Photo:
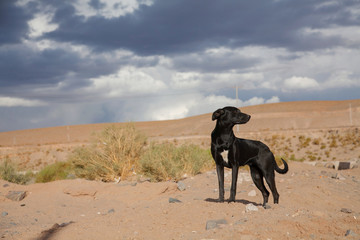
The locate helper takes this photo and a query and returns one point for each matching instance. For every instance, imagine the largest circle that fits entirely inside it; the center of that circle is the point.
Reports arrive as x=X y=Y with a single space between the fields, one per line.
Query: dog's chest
x=224 y=155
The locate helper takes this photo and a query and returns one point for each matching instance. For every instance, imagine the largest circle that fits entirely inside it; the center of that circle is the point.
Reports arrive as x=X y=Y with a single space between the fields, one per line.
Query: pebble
x=211 y=224
x=4 y=214
x=111 y=210
x=174 y=200
x=252 y=193
x=16 y=195
x=350 y=232
x=181 y=186
x=346 y=210
x=251 y=208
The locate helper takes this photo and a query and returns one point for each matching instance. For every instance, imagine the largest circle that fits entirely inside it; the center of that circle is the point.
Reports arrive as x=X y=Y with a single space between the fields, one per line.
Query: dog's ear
x=217 y=114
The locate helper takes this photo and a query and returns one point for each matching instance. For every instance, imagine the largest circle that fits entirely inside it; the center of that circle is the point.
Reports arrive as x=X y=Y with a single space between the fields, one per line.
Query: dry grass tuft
x=115 y=153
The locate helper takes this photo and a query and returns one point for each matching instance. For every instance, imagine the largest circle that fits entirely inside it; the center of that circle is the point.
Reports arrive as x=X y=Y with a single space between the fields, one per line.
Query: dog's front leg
x=220 y=174
x=234 y=178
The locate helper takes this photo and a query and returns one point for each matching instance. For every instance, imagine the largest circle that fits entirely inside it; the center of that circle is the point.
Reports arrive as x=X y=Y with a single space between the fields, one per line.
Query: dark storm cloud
x=13 y=22
x=23 y=66
x=182 y=26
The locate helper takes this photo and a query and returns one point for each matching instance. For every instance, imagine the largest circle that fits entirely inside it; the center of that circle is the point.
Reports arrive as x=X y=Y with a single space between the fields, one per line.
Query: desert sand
x=316 y=202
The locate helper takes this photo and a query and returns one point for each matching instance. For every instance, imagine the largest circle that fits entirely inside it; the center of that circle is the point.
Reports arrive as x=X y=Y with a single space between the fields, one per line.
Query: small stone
x=346 y=210
x=4 y=214
x=350 y=232
x=111 y=210
x=252 y=193
x=211 y=224
x=16 y=195
x=181 y=186
x=251 y=208
x=6 y=185
x=174 y=200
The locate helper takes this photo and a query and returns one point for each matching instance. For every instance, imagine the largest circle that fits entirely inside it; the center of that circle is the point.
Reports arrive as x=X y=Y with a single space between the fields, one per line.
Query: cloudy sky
x=65 y=62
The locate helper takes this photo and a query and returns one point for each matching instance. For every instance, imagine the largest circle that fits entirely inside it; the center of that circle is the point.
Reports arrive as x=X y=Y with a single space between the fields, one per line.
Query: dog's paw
x=230 y=200
x=266 y=206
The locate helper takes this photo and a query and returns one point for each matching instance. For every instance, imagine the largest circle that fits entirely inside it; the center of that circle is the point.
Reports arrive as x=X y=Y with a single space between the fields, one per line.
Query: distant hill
x=267 y=117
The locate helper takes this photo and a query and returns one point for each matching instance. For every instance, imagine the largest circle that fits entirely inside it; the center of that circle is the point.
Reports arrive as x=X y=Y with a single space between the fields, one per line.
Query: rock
x=174 y=200
x=3 y=214
x=211 y=224
x=346 y=210
x=16 y=195
x=6 y=185
x=350 y=233
x=251 y=208
x=181 y=186
x=111 y=210
x=252 y=193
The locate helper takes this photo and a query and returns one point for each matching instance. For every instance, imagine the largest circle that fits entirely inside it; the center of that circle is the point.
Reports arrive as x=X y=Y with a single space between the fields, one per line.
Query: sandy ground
x=315 y=202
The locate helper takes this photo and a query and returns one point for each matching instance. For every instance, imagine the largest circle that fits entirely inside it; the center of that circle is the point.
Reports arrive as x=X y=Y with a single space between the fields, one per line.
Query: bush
x=115 y=153
x=8 y=172
x=53 y=172
x=165 y=161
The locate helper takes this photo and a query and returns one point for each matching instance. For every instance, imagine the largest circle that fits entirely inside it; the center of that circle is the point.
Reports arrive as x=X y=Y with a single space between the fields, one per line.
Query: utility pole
x=237 y=104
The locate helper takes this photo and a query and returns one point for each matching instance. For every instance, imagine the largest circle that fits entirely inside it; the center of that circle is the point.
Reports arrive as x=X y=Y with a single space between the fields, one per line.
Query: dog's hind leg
x=220 y=174
x=270 y=179
x=257 y=177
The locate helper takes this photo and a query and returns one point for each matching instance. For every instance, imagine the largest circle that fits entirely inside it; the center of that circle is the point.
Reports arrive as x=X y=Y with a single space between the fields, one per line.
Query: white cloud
x=19 y=102
x=127 y=81
x=110 y=8
x=41 y=24
x=296 y=83
x=274 y=99
x=342 y=79
x=195 y=104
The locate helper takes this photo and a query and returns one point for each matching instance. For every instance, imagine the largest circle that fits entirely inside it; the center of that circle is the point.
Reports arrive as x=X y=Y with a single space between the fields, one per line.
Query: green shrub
x=53 y=172
x=165 y=161
x=115 y=153
x=8 y=172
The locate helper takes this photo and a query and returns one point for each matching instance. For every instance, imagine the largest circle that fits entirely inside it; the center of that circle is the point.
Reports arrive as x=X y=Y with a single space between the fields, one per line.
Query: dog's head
x=230 y=116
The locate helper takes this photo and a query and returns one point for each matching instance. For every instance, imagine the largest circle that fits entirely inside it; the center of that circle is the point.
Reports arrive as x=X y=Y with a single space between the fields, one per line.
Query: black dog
x=242 y=152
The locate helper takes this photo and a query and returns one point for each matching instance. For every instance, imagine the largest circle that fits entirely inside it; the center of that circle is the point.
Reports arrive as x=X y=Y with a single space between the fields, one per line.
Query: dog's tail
x=284 y=170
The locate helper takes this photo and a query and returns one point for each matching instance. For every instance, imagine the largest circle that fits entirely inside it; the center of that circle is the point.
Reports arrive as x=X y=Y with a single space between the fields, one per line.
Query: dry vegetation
x=319 y=145
x=119 y=153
